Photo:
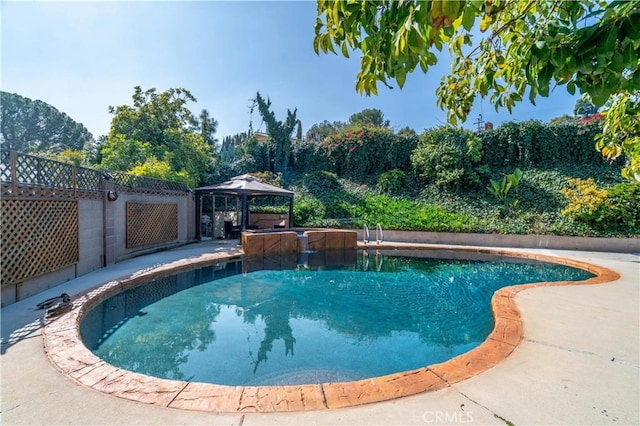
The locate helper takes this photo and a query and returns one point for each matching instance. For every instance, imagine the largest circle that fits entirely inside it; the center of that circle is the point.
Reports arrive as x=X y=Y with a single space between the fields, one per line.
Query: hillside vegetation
x=442 y=181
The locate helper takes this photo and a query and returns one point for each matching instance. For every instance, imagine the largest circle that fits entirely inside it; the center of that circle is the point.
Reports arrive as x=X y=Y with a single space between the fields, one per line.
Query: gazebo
x=242 y=188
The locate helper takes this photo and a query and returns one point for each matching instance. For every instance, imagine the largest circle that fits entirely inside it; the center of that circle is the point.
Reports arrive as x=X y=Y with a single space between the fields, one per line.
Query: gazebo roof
x=247 y=185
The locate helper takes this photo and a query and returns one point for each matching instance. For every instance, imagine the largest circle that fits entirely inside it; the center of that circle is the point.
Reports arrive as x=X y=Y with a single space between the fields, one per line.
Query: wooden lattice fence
x=25 y=175
x=46 y=203
x=38 y=236
x=151 y=223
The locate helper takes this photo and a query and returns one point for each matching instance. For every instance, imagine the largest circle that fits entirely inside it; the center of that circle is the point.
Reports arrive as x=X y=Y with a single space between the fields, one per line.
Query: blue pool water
x=361 y=316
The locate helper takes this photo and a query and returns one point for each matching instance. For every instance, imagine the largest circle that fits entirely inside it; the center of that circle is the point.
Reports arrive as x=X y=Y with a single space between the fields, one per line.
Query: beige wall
x=102 y=240
x=91 y=235
x=619 y=245
x=118 y=207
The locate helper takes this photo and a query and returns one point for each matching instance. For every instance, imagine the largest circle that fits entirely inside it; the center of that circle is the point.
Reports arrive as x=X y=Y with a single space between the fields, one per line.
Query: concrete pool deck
x=578 y=363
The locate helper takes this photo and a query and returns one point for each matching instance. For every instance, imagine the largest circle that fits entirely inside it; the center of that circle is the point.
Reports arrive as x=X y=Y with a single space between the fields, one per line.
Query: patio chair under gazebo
x=243 y=188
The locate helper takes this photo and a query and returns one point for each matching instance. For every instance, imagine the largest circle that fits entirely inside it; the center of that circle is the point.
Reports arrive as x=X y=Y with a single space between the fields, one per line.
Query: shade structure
x=247 y=185
x=244 y=187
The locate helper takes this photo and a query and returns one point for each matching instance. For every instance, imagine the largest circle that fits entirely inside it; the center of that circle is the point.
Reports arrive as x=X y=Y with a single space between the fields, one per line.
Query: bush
x=616 y=209
x=533 y=144
x=360 y=153
x=393 y=181
x=585 y=200
x=400 y=213
x=307 y=210
x=321 y=181
x=449 y=158
x=622 y=212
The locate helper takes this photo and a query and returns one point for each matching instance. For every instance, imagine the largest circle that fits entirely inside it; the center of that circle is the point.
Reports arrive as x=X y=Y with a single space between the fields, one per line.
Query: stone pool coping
x=68 y=354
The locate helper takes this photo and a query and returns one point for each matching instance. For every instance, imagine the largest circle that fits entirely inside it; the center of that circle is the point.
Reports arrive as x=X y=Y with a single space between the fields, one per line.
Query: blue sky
x=82 y=57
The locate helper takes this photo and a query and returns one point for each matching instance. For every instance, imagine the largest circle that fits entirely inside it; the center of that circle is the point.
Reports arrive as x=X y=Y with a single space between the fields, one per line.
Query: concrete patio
x=579 y=363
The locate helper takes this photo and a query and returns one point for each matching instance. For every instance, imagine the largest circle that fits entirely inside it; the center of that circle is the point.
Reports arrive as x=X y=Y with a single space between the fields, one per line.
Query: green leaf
x=468 y=18
x=345 y=51
x=610 y=43
x=401 y=76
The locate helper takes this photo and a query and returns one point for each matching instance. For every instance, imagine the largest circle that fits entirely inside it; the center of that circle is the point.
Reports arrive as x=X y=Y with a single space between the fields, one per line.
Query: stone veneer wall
x=261 y=243
x=267 y=243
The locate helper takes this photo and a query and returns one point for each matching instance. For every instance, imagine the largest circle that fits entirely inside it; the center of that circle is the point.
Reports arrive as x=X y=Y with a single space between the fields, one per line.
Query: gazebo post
x=198 y=215
x=213 y=216
x=245 y=212
x=238 y=220
x=290 y=212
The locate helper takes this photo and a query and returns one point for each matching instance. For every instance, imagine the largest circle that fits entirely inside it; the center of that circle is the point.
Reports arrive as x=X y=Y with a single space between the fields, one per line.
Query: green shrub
x=622 y=212
x=307 y=210
x=585 y=200
x=533 y=144
x=400 y=213
x=448 y=158
x=501 y=189
x=393 y=181
x=321 y=180
x=616 y=209
x=361 y=153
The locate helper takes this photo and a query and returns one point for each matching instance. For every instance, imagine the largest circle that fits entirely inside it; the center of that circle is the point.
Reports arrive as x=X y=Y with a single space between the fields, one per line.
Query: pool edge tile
x=382 y=388
x=65 y=350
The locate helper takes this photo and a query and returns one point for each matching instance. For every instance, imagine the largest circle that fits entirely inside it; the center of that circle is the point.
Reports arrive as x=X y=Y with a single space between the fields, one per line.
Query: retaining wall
x=615 y=245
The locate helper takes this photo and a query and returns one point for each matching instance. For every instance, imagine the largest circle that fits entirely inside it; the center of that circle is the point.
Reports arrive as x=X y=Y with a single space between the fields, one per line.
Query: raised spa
x=331 y=316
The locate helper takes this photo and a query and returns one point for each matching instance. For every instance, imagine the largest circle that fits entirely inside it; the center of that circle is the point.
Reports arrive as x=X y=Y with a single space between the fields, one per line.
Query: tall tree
x=298 y=130
x=280 y=133
x=208 y=127
x=158 y=125
x=587 y=46
x=319 y=131
x=36 y=127
x=369 y=117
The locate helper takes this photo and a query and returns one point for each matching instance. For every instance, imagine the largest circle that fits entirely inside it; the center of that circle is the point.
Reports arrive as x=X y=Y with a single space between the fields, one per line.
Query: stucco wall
x=91 y=233
x=616 y=245
x=118 y=208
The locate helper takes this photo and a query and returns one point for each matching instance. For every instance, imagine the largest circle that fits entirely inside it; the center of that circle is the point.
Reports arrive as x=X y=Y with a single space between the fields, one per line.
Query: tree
x=208 y=127
x=280 y=133
x=587 y=46
x=299 y=130
x=564 y=118
x=229 y=148
x=35 y=127
x=584 y=108
x=319 y=131
x=156 y=169
x=160 y=126
x=369 y=117
x=407 y=131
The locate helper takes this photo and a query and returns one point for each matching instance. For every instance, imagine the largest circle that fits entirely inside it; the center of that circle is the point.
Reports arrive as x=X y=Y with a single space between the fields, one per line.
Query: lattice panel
x=38 y=236
x=134 y=181
x=151 y=223
x=41 y=171
x=5 y=166
x=87 y=179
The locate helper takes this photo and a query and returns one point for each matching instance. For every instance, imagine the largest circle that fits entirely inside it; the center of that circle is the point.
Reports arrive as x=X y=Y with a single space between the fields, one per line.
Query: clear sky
x=82 y=57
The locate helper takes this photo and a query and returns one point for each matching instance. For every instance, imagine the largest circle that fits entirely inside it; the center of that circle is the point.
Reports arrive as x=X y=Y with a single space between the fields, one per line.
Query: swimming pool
x=335 y=316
